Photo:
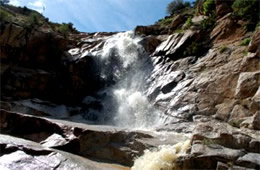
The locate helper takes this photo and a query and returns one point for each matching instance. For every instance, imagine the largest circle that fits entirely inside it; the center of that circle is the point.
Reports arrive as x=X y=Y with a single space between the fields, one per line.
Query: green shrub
x=176 y=5
x=188 y=23
x=193 y=49
x=245 y=42
x=208 y=23
x=222 y=49
x=245 y=52
x=64 y=29
x=178 y=31
x=247 y=9
x=34 y=19
x=166 y=21
x=209 y=7
x=4 y=16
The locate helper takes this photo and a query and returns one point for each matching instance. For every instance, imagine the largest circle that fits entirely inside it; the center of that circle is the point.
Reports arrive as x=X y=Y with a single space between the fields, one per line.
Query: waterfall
x=124 y=62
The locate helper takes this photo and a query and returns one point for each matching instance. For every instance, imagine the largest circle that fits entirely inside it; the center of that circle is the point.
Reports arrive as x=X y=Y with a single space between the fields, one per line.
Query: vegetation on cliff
x=32 y=20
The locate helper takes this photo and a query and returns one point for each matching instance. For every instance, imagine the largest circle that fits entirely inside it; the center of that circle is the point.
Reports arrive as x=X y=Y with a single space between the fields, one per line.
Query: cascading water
x=124 y=63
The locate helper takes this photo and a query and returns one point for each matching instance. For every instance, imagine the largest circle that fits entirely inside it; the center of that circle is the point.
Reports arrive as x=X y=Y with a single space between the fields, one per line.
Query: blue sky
x=100 y=15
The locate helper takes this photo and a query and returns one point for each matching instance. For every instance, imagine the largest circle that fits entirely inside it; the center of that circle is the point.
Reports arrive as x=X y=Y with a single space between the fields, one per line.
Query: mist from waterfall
x=124 y=62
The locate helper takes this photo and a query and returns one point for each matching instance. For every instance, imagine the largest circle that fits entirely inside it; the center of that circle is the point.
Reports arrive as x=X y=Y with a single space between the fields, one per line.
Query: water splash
x=162 y=158
x=125 y=64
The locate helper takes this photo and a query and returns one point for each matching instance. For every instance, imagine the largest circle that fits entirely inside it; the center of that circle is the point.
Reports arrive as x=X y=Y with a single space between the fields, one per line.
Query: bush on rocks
x=209 y=7
x=176 y=6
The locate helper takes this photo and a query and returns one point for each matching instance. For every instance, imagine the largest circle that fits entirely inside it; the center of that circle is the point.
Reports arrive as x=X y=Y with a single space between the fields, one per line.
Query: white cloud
x=14 y=3
x=37 y=5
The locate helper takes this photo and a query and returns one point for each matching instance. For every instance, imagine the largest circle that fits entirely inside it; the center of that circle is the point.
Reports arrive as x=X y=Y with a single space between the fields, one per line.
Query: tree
x=4 y=1
x=176 y=6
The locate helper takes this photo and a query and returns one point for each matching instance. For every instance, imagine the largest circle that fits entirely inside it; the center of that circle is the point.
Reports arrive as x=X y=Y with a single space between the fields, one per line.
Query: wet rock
x=150 y=43
x=176 y=43
x=227 y=166
x=99 y=142
x=28 y=127
x=22 y=154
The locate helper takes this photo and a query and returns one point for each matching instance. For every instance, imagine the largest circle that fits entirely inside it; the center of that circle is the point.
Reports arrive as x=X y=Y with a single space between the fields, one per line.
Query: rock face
x=211 y=94
x=227 y=29
x=254 y=44
x=42 y=69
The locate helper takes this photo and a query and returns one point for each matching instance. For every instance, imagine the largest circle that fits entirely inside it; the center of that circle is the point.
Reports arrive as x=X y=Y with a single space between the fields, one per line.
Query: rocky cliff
x=203 y=81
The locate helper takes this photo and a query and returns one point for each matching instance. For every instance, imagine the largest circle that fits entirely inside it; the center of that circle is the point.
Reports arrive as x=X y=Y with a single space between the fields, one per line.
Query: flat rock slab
x=18 y=153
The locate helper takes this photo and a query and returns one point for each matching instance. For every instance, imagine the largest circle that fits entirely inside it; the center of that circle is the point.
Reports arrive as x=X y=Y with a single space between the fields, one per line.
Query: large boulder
x=223 y=7
x=214 y=144
x=247 y=85
x=227 y=28
x=177 y=21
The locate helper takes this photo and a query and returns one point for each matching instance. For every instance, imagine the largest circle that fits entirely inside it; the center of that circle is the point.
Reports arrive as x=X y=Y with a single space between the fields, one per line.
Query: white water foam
x=124 y=61
x=163 y=158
